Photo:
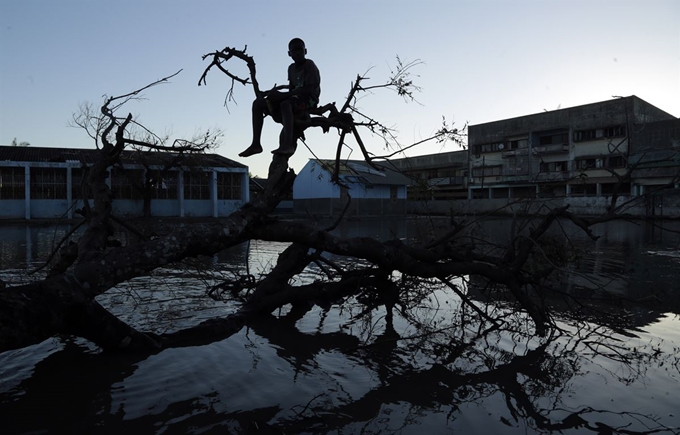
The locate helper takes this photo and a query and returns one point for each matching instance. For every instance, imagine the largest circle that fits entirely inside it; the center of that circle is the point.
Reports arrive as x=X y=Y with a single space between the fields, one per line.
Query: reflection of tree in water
x=420 y=364
x=439 y=369
x=431 y=354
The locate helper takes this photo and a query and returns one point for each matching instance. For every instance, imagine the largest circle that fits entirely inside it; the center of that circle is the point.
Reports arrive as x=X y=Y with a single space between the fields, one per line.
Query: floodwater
x=431 y=370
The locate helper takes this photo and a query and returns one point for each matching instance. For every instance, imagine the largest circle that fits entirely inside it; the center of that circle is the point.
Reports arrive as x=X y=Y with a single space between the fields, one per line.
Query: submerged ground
x=426 y=371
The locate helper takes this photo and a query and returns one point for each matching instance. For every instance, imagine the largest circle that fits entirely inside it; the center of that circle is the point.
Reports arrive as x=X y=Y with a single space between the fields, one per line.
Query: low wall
x=358 y=207
x=660 y=205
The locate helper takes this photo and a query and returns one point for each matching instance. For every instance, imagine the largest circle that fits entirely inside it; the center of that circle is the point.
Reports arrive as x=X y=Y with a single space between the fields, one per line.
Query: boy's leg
x=287 y=142
x=259 y=111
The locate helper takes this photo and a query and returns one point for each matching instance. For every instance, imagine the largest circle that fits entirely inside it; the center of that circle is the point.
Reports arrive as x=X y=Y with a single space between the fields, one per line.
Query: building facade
x=442 y=176
x=372 y=192
x=575 y=156
x=47 y=183
x=577 y=151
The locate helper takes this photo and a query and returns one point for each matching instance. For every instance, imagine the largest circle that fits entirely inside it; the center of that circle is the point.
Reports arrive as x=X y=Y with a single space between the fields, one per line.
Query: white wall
x=314 y=182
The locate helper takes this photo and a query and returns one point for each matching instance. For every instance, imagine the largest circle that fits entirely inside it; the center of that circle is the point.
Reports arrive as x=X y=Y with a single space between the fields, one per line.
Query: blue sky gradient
x=482 y=61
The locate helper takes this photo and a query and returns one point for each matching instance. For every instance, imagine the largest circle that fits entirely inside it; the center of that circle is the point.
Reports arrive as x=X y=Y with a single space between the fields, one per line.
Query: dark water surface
x=330 y=372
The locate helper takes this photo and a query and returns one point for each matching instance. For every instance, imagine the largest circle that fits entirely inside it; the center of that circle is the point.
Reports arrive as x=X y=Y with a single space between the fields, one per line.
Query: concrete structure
x=442 y=176
x=45 y=183
x=576 y=151
x=572 y=156
x=373 y=192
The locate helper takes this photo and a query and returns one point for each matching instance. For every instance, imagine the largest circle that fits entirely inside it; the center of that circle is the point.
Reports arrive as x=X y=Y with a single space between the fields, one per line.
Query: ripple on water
x=233 y=375
x=18 y=365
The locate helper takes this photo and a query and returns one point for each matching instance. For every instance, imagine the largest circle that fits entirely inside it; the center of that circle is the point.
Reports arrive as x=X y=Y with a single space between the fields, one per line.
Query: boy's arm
x=277 y=88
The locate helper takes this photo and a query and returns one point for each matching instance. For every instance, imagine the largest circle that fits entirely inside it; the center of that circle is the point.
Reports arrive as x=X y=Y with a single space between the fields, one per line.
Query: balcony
x=553 y=176
x=446 y=181
x=517 y=152
x=439 y=181
x=551 y=149
x=515 y=178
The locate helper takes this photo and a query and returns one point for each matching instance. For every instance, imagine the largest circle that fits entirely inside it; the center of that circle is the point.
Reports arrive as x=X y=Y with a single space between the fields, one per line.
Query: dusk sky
x=482 y=61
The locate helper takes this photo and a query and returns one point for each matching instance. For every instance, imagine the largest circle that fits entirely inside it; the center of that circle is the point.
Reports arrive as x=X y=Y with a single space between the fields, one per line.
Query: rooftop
x=89 y=156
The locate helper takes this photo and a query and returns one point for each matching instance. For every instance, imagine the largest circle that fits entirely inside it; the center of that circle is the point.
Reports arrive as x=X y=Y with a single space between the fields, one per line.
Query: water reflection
x=275 y=378
x=328 y=371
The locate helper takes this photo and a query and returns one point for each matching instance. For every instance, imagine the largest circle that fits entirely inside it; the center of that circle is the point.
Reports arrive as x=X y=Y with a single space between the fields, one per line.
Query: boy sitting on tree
x=304 y=88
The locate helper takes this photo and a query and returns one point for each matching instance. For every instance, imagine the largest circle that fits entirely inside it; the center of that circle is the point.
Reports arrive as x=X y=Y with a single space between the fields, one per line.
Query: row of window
x=50 y=183
x=518 y=144
x=487 y=171
x=600 y=133
x=553 y=139
x=521 y=166
x=440 y=173
x=611 y=162
x=562 y=166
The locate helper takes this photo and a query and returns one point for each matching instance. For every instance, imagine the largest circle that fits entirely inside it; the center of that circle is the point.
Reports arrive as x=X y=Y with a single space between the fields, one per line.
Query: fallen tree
x=64 y=302
x=387 y=279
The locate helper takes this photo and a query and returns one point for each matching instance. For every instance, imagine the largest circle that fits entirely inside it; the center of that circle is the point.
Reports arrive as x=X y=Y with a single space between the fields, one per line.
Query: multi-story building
x=577 y=151
x=578 y=156
x=442 y=176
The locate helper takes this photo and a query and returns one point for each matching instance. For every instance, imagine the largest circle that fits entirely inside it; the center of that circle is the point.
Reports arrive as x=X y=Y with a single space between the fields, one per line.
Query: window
x=77 y=184
x=197 y=185
x=616 y=162
x=585 y=163
x=554 y=166
x=518 y=144
x=487 y=171
x=584 y=135
x=126 y=183
x=601 y=162
x=165 y=187
x=12 y=183
x=517 y=166
x=583 y=190
x=48 y=183
x=599 y=133
x=617 y=131
x=489 y=148
x=554 y=139
x=229 y=185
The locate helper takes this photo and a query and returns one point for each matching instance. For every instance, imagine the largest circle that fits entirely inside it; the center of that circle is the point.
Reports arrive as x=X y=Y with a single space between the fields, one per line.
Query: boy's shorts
x=298 y=107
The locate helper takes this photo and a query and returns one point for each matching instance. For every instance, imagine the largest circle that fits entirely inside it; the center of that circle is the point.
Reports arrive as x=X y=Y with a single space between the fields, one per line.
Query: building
x=574 y=156
x=577 y=151
x=373 y=192
x=46 y=183
x=442 y=176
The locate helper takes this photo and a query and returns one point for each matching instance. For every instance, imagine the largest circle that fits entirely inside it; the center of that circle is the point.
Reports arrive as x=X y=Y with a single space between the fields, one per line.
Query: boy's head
x=296 y=49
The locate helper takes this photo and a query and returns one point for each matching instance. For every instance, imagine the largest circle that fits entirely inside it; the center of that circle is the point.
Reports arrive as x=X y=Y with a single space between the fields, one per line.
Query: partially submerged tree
x=157 y=154
x=95 y=264
x=391 y=276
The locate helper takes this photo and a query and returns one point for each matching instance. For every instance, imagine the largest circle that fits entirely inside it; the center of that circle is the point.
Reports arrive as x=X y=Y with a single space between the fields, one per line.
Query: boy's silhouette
x=304 y=88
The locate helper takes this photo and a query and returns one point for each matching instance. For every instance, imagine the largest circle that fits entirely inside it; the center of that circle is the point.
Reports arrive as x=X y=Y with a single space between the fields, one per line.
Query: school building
x=47 y=183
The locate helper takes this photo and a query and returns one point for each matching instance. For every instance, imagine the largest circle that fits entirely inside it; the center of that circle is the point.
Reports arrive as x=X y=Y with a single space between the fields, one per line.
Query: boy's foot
x=284 y=151
x=253 y=149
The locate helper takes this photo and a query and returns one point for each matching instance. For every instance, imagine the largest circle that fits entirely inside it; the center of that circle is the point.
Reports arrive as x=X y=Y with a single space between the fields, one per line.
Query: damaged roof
x=360 y=171
x=89 y=156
